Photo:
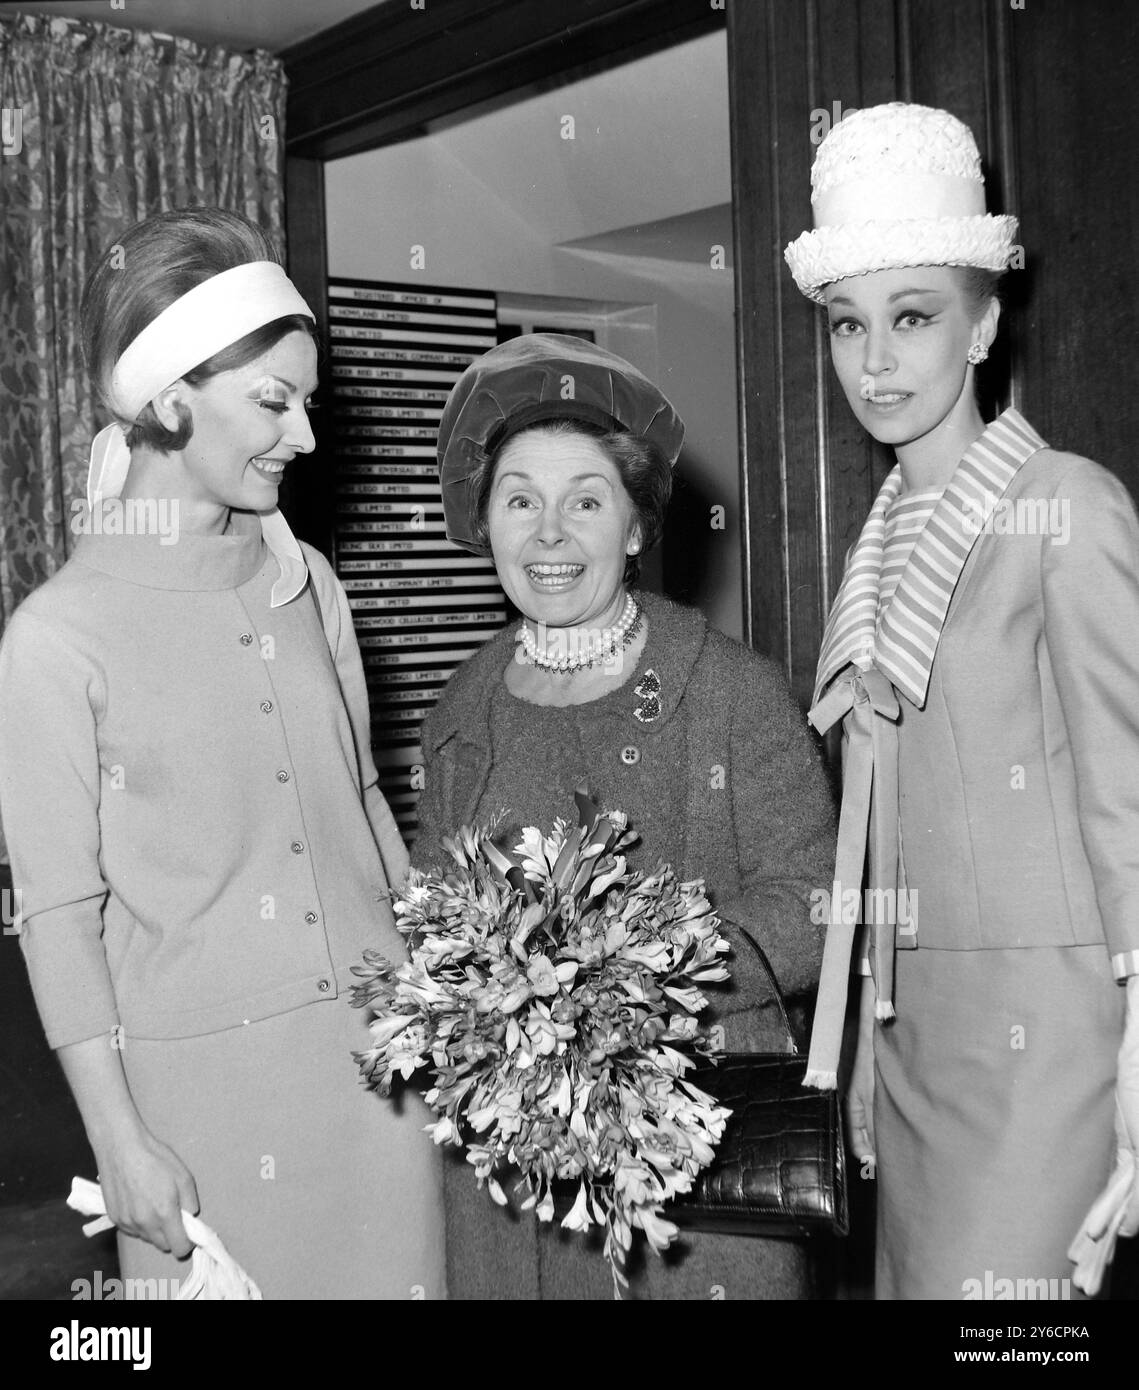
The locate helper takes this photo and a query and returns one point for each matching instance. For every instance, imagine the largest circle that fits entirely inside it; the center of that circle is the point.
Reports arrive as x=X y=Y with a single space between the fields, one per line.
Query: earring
x=977 y=354
x=635 y=548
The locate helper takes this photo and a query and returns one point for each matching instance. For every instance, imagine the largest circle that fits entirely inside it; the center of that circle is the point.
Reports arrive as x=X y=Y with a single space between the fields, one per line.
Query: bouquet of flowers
x=553 y=995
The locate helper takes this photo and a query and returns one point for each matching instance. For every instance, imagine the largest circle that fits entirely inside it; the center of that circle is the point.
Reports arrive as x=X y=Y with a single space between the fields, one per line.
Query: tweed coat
x=731 y=749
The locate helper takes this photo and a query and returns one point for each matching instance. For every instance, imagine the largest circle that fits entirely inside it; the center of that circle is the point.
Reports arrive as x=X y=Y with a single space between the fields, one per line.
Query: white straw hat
x=892 y=186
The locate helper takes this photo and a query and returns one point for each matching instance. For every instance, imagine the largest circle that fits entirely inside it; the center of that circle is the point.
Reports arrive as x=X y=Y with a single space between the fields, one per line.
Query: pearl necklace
x=601 y=648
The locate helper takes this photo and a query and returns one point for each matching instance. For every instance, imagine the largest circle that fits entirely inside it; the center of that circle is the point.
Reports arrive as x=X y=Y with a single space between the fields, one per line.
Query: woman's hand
x=146 y=1187
x=145 y=1184
x=860 y=1092
x=1115 y=1211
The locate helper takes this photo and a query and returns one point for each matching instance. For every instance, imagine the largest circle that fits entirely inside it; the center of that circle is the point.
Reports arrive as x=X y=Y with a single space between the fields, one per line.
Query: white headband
x=211 y=316
x=206 y=319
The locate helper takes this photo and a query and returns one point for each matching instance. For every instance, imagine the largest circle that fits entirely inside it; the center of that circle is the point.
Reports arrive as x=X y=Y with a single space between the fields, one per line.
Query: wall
x=493 y=198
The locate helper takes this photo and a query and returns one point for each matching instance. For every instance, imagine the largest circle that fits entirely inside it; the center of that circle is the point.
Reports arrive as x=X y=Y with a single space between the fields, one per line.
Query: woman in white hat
x=980 y=654
x=191 y=804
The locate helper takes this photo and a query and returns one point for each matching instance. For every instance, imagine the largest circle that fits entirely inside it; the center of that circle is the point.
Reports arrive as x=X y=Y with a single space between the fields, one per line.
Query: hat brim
x=540 y=411
x=818 y=258
x=523 y=382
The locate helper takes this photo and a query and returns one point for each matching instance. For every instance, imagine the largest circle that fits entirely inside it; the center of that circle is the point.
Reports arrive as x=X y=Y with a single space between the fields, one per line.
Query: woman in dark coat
x=556 y=458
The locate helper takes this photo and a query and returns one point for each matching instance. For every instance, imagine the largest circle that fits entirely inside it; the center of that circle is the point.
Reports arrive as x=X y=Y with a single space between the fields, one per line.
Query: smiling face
x=248 y=424
x=561 y=525
x=899 y=340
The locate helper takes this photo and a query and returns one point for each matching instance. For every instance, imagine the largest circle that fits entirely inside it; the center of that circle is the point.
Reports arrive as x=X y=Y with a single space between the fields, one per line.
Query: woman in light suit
x=980 y=653
x=192 y=807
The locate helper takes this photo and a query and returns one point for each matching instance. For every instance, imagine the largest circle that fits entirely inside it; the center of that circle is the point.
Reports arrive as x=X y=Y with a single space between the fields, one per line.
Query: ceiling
x=647 y=172
x=645 y=177
x=236 y=24
x=687 y=237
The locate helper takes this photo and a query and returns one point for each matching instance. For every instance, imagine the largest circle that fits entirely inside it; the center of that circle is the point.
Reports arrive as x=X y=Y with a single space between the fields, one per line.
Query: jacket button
x=630 y=755
x=310 y=918
x=246 y=639
x=282 y=776
x=297 y=847
x=323 y=986
x=266 y=706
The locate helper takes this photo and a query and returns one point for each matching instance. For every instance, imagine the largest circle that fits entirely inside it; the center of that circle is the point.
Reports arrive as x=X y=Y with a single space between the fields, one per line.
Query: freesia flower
x=443 y=1131
x=689 y=998
x=660 y=1233
x=555 y=1017
x=563 y=1100
x=540 y=973
x=599 y=885
x=577 y=1218
x=384 y=1029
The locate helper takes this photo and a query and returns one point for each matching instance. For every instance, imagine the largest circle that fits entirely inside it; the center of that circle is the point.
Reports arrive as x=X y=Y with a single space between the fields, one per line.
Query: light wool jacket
x=187 y=789
x=1009 y=643
x=1019 y=779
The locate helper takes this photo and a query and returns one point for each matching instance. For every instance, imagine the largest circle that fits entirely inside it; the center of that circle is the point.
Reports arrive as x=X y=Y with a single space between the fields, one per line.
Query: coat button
x=266 y=706
x=297 y=847
x=630 y=755
x=246 y=639
x=282 y=776
x=310 y=918
x=323 y=986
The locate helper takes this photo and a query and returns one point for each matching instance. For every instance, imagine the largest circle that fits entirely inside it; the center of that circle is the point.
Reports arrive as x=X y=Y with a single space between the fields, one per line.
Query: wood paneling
x=1076 y=132
x=1048 y=90
x=756 y=214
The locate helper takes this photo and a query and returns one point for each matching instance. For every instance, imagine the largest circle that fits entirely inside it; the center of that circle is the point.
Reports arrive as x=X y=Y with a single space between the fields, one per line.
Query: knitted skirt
x=318 y=1188
x=993 y=1111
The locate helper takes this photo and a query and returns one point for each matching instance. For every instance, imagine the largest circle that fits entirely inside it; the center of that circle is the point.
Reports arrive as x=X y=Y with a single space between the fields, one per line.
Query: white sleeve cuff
x=1125 y=964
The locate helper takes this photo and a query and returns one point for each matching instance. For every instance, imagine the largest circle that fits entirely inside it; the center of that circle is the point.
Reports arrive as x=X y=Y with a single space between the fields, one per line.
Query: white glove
x=1115 y=1211
x=214 y=1273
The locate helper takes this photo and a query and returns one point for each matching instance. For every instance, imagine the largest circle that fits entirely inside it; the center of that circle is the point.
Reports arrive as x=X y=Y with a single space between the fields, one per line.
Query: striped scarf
x=904 y=644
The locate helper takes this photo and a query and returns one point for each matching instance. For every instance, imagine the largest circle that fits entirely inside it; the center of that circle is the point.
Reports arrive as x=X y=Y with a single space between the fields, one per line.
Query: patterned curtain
x=100 y=128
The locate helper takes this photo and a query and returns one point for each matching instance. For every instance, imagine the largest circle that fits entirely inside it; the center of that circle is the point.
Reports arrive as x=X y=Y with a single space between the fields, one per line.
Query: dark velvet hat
x=540 y=376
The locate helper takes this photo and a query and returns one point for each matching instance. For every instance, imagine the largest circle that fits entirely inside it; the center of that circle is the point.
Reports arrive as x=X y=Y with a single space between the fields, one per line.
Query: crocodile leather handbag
x=780 y=1167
